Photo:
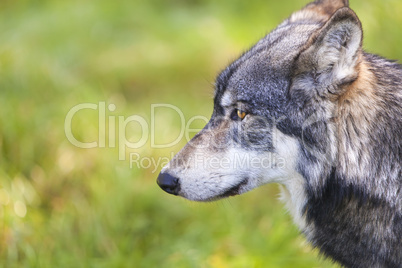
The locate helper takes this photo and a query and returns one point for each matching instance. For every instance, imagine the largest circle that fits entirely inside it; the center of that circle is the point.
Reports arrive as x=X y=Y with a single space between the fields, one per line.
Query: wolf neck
x=353 y=112
x=356 y=112
x=364 y=143
x=347 y=200
x=368 y=122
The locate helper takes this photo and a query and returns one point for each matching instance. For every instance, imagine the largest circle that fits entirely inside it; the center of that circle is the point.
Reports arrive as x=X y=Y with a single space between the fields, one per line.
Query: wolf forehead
x=264 y=70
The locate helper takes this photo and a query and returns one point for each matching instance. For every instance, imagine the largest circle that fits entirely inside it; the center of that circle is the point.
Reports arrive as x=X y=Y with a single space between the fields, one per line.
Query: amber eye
x=241 y=114
x=238 y=115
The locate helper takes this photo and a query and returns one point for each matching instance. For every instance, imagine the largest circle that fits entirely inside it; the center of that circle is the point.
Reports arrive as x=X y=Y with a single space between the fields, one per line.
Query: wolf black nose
x=168 y=183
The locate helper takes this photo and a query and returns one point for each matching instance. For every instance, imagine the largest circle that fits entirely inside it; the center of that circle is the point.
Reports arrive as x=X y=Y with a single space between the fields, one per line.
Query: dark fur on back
x=350 y=223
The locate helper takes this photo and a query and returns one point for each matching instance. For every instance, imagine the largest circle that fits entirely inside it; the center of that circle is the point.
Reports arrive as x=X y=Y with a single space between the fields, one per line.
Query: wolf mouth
x=233 y=190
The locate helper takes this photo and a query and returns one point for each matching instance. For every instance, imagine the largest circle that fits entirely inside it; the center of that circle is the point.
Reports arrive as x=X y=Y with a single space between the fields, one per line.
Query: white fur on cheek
x=207 y=174
x=293 y=190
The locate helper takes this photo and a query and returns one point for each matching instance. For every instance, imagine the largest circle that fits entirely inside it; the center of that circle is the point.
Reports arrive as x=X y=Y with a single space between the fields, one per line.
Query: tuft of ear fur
x=319 y=11
x=331 y=56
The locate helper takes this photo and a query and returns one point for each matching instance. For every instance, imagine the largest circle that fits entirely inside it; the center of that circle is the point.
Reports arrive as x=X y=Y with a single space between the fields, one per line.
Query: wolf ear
x=331 y=56
x=320 y=10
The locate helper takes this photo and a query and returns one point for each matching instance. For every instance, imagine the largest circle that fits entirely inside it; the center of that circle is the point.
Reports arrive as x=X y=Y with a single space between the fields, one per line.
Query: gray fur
x=333 y=112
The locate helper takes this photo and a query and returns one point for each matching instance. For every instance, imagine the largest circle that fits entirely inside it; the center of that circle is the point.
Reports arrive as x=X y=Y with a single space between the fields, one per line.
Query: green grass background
x=63 y=206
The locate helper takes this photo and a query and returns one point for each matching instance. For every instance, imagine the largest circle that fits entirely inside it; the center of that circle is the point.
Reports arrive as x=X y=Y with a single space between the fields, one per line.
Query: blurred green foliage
x=62 y=206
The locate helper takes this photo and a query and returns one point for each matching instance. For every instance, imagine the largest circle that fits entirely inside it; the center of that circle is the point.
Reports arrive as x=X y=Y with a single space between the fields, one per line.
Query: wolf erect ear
x=319 y=10
x=331 y=56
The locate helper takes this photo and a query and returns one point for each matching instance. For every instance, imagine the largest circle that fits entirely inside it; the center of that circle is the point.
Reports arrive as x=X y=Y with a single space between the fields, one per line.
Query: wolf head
x=272 y=105
x=306 y=107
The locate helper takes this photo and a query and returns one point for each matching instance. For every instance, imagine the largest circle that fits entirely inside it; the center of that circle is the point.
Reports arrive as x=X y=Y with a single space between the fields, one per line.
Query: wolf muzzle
x=168 y=183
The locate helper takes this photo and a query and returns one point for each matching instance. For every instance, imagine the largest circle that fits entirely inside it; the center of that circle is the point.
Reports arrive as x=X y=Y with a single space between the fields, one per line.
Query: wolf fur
x=324 y=119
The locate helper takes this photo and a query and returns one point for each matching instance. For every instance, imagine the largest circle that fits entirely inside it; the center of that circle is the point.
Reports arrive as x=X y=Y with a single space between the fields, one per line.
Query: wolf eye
x=238 y=114
x=241 y=114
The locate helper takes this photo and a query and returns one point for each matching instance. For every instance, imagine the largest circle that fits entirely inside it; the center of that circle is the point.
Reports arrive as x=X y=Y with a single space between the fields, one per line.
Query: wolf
x=308 y=108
